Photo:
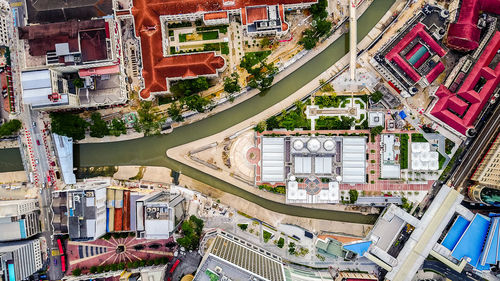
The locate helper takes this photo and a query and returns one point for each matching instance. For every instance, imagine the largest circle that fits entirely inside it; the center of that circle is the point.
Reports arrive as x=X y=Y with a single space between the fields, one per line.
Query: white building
x=422 y=158
x=19 y=219
x=389 y=164
x=20 y=259
x=64 y=151
x=158 y=215
x=46 y=89
x=354 y=160
x=5 y=15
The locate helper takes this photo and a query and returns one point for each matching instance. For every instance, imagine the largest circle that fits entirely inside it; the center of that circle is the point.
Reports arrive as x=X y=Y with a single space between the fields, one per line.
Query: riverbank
x=161 y=175
x=181 y=153
x=322 y=45
x=13 y=177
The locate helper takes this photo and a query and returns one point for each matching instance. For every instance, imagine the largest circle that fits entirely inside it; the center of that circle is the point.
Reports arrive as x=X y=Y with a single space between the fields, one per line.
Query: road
x=449 y=273
x=475 y=151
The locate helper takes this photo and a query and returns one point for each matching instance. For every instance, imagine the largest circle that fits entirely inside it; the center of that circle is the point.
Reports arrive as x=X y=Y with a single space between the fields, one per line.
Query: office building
x=488 y=171
x=19 y=219
x=19 y=260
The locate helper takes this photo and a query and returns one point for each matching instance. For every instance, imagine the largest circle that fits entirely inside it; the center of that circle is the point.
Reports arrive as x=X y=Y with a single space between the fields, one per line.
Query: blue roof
x=471 y=243
x=402 y=114
x=491 y=249
x=455 y=232
x=421 y=51
x=359 y=248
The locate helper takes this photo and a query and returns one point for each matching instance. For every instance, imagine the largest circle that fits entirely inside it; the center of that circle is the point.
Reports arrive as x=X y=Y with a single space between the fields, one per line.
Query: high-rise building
x=19 y=219
x=4 y=17
x=488 y=171
x=20 y=259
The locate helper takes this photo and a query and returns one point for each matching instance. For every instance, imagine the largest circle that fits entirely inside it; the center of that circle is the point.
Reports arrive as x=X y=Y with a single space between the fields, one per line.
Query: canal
x=150 y=151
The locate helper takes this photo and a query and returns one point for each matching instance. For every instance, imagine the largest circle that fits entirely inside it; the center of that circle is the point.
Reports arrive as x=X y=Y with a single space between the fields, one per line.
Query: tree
x=353 y=195
x=189 y=86
x=327 y=87
x=231 y=84
x=261 y=126
x=265 y=42
x=243 y=226
x=175 y=112
x=376 y=97
x=78 y=82
x=10 y=127
x=93 y=269
x=281 y=242
x=98 y=128
x=149 y=120
x=195 y=102
x=117 y=127
x=291 y=248
x=191 y=230
x=76 y=272
x=323 y=27
x=67 y=124
x=308 y=40
x=376 y=130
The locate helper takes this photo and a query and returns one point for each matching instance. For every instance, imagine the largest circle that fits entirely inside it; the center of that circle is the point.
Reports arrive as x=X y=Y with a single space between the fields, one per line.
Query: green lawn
x=418 y=138
x=182 y=37
x=210 y=35
x=403 y=160
x=361 y=105
x=334 y=123
x=224 y=48
x=448 y=146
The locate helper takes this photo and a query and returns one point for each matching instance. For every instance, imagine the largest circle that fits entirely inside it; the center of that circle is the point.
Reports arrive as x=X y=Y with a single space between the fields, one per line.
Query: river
x=150 y=151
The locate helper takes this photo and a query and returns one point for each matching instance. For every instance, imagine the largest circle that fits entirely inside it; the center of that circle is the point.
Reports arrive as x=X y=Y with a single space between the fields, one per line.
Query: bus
x=63 y=263
x=176 y=263
x=59 y=245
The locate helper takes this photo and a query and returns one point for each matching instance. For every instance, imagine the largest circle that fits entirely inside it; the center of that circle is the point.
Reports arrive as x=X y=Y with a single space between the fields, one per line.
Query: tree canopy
x=231 y=84
x=353 y=195
x=149 y=120
x=376 y=97
x=195 y=102
x=98 y=128
x=10 y=127
x=67 y=124
x=191 y=230
x=189 y=86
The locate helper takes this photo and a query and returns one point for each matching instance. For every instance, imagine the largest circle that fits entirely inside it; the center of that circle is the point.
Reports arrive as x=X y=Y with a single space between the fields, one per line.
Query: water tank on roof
x=413 y=90
x=427 y=9
x=379 y=58
x=313 y=145
x=329 y=145
x=444 y=14
x=298 y=145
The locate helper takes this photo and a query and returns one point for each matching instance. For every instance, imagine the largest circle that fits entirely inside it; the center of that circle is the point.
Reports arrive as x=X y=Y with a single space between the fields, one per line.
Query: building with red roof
x=413 y=58
x=459 y=110
x=464 y=33
x=260 y=17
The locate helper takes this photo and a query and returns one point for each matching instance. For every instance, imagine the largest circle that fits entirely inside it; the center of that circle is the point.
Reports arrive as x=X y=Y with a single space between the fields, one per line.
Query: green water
x=150 y=151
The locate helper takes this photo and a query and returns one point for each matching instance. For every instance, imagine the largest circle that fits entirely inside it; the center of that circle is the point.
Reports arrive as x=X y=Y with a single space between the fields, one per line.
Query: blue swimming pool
x=471 y=243
x=456 y=231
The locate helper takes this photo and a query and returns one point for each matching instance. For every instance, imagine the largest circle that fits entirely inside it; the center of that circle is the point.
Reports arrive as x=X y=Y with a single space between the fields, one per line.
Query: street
x=449 y=273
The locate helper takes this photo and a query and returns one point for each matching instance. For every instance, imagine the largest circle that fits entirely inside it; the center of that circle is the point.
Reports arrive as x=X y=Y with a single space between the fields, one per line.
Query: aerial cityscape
x=250 y=140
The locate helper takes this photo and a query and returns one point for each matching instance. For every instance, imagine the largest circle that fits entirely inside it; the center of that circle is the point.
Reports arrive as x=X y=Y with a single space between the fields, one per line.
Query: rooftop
x=38 y=91
x=156 y=68
x=85 y=37
x=460 y=110
x=64 y=152
x=464 y=34
x=45 y=11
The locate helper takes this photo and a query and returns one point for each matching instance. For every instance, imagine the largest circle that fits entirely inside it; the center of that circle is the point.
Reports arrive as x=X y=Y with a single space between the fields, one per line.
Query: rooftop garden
x=418 y=138
x=403 y=160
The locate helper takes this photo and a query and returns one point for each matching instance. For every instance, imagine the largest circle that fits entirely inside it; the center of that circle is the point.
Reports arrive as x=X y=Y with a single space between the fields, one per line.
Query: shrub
x=76 y=272
x=266 y=236
x=281 y=242
x=353 y=194
x=243 y=226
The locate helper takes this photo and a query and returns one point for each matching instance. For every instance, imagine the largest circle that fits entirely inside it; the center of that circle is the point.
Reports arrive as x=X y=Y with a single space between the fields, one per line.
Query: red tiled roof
x=464 y=33
x=214 y=16
x=434 y=73
x=256 y=13
x=147 y=23
x=394 y=54
x=449 y=101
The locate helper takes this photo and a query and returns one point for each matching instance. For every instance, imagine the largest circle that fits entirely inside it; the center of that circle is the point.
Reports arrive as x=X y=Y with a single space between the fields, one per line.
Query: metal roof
x=273 y=159
x=353 y=160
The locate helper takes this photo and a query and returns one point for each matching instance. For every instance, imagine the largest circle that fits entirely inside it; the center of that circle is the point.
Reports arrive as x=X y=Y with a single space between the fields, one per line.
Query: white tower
x=353 y=38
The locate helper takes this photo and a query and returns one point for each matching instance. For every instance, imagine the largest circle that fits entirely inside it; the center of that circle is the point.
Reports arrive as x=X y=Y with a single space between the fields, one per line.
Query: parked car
x=38 y=142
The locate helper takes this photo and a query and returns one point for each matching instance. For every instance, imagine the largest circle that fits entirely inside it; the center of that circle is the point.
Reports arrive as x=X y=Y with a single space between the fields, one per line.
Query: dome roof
x=298 y=145
x=313 y=145
x=329 y=145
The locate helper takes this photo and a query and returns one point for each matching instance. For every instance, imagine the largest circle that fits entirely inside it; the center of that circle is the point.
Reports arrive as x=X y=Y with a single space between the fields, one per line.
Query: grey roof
x=354 y=160
x=37 y=87
x=273 y=159
x=247 y=257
